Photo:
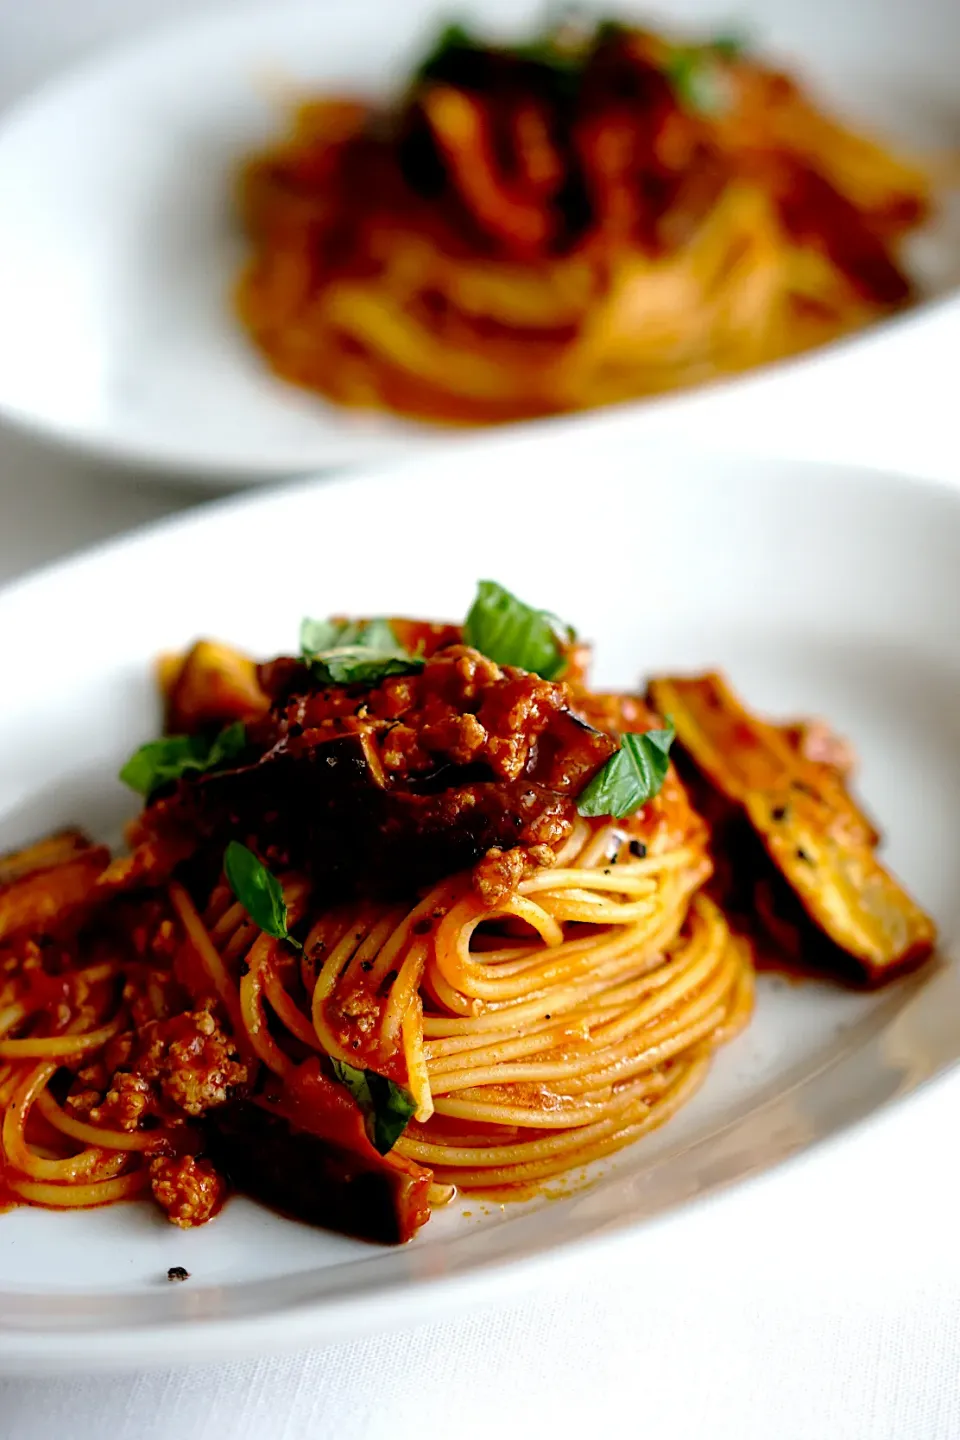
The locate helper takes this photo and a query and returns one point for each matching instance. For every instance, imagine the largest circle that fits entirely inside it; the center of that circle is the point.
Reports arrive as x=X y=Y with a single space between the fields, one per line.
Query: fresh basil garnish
x=386 y=1107
x=698 y=80
x=631 y=777
x=729 y=45
x=354 y=652
x=453 y=39
x=506 y=630
x=562 y=51
x=259 y=892
x=161 y=761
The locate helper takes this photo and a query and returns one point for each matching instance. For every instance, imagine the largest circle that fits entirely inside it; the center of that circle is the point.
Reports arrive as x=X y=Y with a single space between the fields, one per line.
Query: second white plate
x=118 y=247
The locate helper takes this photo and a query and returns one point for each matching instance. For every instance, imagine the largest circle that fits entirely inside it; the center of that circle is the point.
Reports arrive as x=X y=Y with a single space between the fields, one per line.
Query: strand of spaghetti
x=435 y=902
x=741 y=1004
x=15 y=1014
x=94 y=974
x=326 y=933
x=623 y=1023
x=60 y=1045
x=663 y=1043
x=632 y=878
x=707 y=969
x=605 y=999
x=589 y=910
x=96 y=1135
x=418 y=1075
x=260 y=956
x=286 y=1009
x=417 y=1145
x=230 y=928
x=260 y=964
x=221 y=901
x=688 y=1012
x=609 y=1053
x=365 y=926
x=82 y=1196
x=9 y=1078
x=11 y=1017
x=206 y=952
x=75 y=1168
x=566 y=1142
x=583 y=946
x=228 y=921
x=703 y=952
x=444 y=997
x=580 y=837
x=371 y=959
x=563 y=1113
x=238 y=943
x=466 y=973
x=688 y=1081
x=555 y=1029
x=629 y=950
x=362 y=922
x=404 y=993
x=463 y=972
x=593 y=1065
x=600 y=846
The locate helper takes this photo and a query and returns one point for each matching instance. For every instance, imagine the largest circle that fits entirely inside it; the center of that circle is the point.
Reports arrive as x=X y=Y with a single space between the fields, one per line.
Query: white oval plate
x=118 y=246
x=817 y=590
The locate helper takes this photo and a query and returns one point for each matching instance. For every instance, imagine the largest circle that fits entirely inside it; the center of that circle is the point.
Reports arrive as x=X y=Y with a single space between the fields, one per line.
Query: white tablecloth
x=820 y=1303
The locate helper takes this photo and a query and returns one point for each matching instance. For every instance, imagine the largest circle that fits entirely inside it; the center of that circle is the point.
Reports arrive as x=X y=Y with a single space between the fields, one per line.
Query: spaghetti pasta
x=354 y=1041
x=600 y=214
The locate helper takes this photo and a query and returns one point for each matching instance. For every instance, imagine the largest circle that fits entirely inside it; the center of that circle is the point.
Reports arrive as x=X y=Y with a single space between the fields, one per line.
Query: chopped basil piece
x=562 y=50
x=386 y=1107
x=354 y=652
x=631 y=777
x=729 y=45
x=698 y=80
x=259 y=892
x=161 y=761
x=452 y=37
x=506 y=630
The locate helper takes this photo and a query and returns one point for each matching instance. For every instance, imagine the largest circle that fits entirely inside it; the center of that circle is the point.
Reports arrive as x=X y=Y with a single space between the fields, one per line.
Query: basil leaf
x=161 y=761
x=452 y=38
x=386 y=1107
x=319 y=635
x=354 y=652
x=563 y=51
x=506 y=630
x=259 y=892
x=729 y=45
x=698 y=81
x=631 y=777
x=378 y=634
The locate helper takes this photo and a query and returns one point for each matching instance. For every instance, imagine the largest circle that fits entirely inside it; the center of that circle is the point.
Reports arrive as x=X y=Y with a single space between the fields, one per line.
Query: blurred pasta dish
x=597 y=214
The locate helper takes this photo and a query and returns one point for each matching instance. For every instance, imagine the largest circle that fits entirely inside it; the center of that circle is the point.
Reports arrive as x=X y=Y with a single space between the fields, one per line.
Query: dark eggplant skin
x=327 y=809
x=315 y=1180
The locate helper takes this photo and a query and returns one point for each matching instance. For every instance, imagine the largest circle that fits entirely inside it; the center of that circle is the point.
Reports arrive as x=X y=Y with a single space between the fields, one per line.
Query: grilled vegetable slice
x=812 y=830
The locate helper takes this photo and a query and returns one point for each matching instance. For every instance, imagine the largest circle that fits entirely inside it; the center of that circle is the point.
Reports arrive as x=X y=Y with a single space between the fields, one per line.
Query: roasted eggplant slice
x=811 y=829
x=316 y=1180
x=46 y=884
x=304 y=1151
x=385 y=787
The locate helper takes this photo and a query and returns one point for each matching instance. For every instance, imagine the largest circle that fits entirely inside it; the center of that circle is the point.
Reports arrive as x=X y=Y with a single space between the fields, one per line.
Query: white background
x=822 y=1303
